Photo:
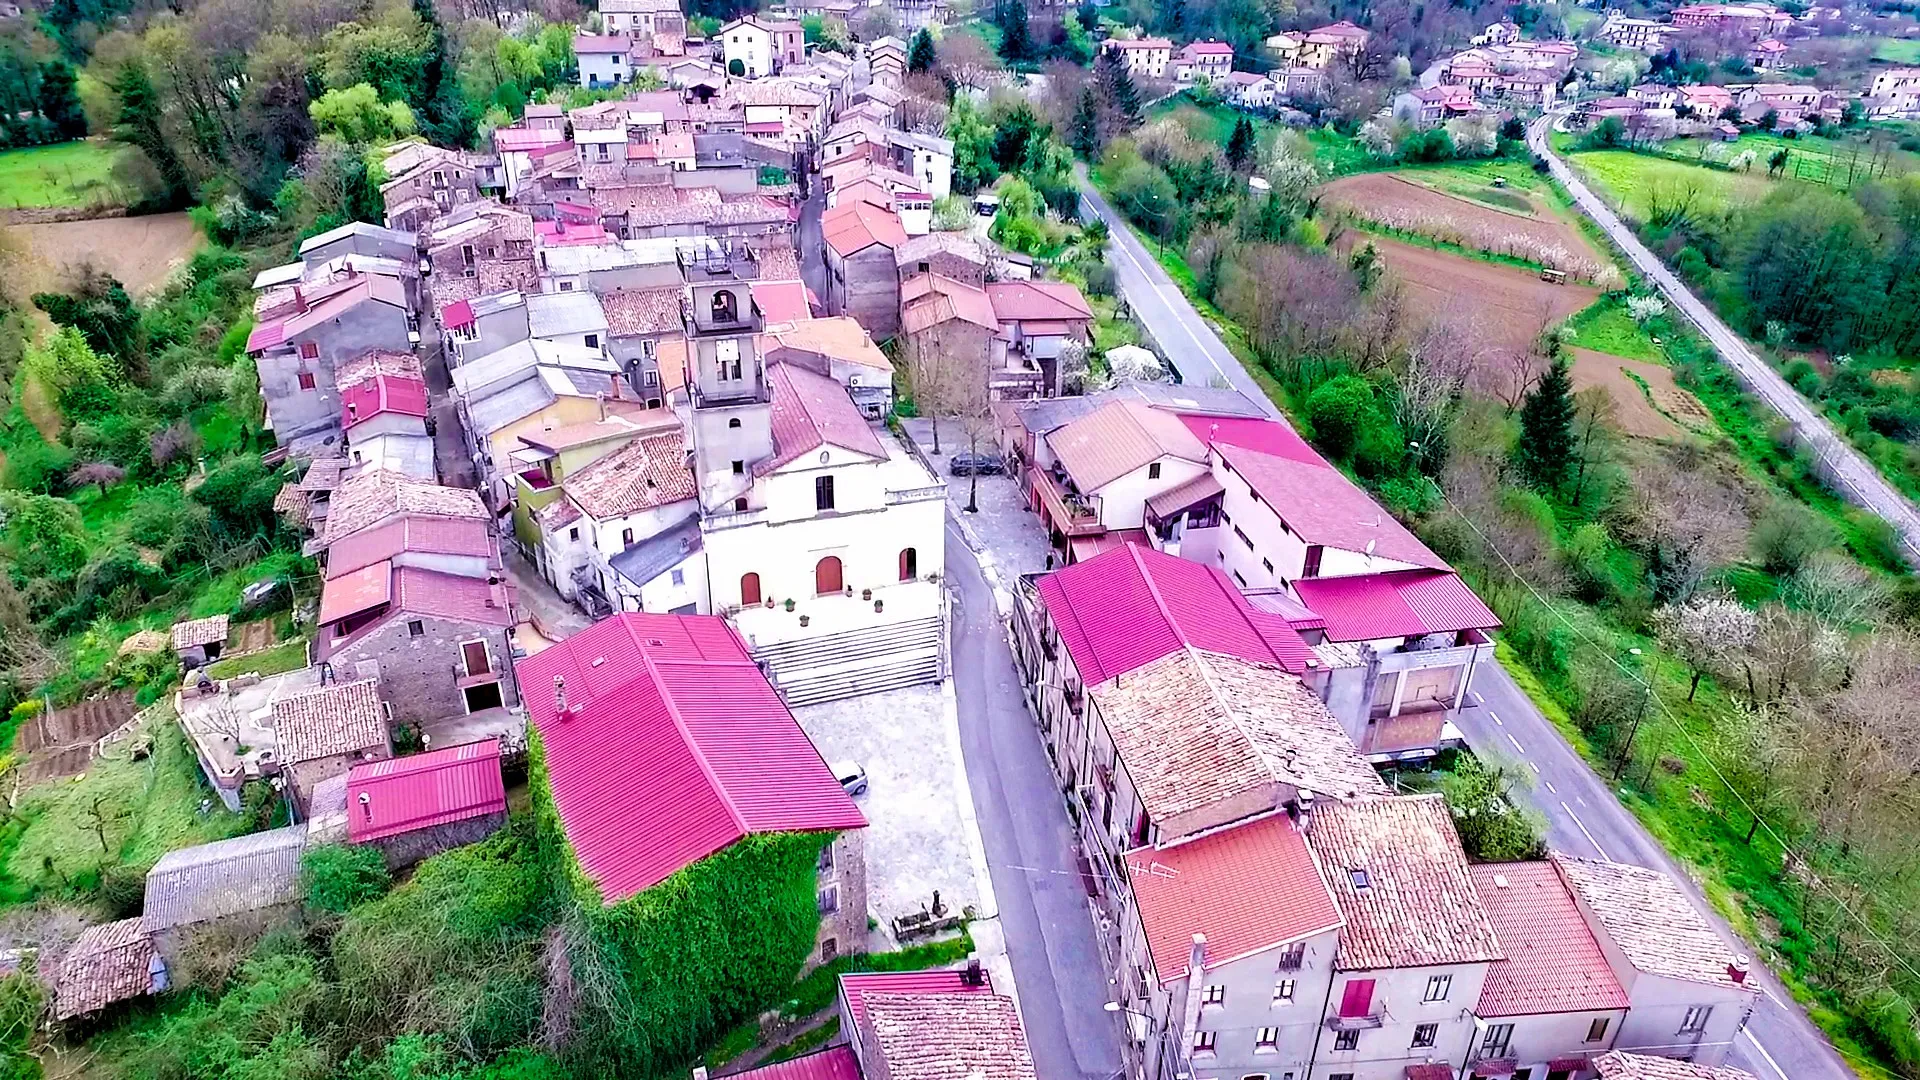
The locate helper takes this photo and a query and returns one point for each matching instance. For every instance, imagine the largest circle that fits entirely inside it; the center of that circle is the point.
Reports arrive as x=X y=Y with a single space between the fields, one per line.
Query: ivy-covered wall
x=661 y=975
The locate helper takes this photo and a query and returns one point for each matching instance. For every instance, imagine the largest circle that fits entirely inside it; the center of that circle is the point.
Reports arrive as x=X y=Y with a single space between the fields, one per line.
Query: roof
x=938 y=1037
x=1324 y=507
x=940 y=243
x=398 y=394
x=1620 y=1065
x=1214 y=48
x=357 y=228
x=373 y=363
x=553 y=314
x=782 y=301
x=512 y=364
x=927 y=300
x=1139 y=43
x=1400 y=603
x=1248 y=889
x=400 y=795
x=357 y=592
x=1553 y=964
x=323 y=474
x=377 y=494
x=1401 y=879
x=417 y=591
x=1342 y=29
x=1021 y=301
x=1126 y=608
x=223 y=878
x=106 y=963
x=1650 y=920
x=425 y=535
x=343 y=718
x=659 y=553
x=1196 y=729
x=933 y=982
x=811 y=411
x=1117 y=438
x=648 y=472
x=833 y=1063
x=194 y=632
x=633 y=312
x=839 y=337
x=672 y=746
x=602 y=43
x=853 y=227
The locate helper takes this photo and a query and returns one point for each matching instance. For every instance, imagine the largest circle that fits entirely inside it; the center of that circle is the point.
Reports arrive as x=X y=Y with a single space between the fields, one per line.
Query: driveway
x=1857 y=479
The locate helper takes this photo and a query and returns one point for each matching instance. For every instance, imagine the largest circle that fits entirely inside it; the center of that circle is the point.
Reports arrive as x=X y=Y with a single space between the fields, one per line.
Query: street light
x=1626 y=752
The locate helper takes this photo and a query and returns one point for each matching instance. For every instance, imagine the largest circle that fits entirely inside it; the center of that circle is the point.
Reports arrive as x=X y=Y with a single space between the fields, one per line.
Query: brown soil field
x=1411 y=207
x=140 y=251
x=1505 y=307
x=1633 y=412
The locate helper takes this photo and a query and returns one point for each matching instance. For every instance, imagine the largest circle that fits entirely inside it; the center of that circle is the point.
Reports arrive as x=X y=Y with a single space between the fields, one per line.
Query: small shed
x=1725 y=131
x=225 y=878
x=111 y=962
x=198 y=641
x=416 y=806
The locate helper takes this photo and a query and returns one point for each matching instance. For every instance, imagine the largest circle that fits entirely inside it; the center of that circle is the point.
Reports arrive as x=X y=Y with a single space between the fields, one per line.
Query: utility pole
x=1626 y=752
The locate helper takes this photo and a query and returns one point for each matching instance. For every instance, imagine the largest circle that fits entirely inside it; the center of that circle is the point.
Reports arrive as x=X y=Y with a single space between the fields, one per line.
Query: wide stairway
x=850 y=663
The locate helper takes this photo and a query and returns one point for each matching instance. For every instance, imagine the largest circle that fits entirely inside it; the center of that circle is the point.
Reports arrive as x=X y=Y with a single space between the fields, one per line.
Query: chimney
x=1196 y=983
x=299 y=298
x=972 y=975
x=699 y=1072
x=560 y=694
x=601 y=401
x=1737 y=971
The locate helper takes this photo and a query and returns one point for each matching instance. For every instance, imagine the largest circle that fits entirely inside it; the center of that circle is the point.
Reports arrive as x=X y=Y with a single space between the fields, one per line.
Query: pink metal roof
x=781 y=301
x=350 y=594
x=833 y=1063
x=1553 y=964
x=1267 y=436
x=399 y=795
x=1248 y=888
x=526 y=139
x=937 y=981
x=671 y=747
x=1023 y=301
x=1126 y=608
x=1401 y=603
x=266 y=336
x=1325 y=507
x=569 y=233
x=400 y=394
x=425 y=535
x=457 y=314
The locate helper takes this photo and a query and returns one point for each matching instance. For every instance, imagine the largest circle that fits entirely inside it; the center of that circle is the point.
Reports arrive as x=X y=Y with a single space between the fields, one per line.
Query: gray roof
x=576 y=382
x=279 y=275
x=497 y=411
x=358 y=228
x=556 y=314
x=515 y=363
x=925 y=142
x=1051 y=414
x=493 y=303
x=224 y=878
x=652 y=557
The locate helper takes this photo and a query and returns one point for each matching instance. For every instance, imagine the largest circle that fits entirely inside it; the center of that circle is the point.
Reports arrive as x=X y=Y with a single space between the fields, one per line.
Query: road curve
x=1856 y=479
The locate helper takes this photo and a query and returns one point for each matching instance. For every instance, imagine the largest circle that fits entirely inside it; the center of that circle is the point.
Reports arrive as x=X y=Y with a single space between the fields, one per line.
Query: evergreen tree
x=58 y=98
x=138 y=123
x=1240 y=145
x=1544 y=453
x=920 y=56
x=1016 y=39
x=1088 y=15
x=1116 y=86
x=1085 y=131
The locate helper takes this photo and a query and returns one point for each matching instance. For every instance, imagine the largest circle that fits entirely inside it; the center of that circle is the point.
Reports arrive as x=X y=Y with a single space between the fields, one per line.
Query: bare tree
x=101 y=474
x=1855 y=743
x=967 y=60
x=1510 y=375
x=1593 y=407
x=1838 y=590
x=1430 y=383
x=946 y=382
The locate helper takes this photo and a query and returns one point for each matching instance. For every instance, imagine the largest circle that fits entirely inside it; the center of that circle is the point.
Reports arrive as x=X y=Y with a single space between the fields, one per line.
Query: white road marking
x=1551 y=790
x=1516 y=743
x=1762 y=1051
x=1583 y=832
x=1477 y=699
x=1496 y=718
x=1535 y=768
x=1171 y=308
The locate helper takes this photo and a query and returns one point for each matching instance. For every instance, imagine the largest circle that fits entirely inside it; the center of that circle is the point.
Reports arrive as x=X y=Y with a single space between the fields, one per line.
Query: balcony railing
x=536 y=480
x=1071 y=513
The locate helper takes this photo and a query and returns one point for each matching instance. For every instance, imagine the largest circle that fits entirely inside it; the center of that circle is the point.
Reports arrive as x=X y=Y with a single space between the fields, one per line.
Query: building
x=303 y=332
x=945 y=318
x=384 y=420
x=1149 y=58
x=1093 y=476
x=753 y=48
x=372 y=498
x=1755 y=20
x=604 y=59
x=1433 y=106
x=416 y=806
x=1250 y=91
x=321 y=733
x=1790 y=102
x=928 y=1025
x=463 y=546
x=842 y=350
x=254 y=874
x=723 y=760
x=1209 y=60
x=1707 y=101
x=111 y=962
x=1646 y=35
x=1616 y=1065
x=1334 y=43
x=426 y=181
x=1894 y=92
x=605 y=508
x=1037 y=320
x=1768 y=54
x=546 y=458
x=435 y=643
x=862 y=279
x=642 y=17
x=198 y=642
x=887 y=59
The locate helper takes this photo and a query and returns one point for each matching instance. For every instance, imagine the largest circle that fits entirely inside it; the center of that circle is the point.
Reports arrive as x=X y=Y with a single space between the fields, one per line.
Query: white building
x=642 y=17
x=604 y=59
x=761 y=48
x=1150 y=58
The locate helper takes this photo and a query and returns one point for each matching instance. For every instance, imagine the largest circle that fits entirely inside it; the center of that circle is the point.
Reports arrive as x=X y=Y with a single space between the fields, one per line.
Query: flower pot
x=805 y=619
x=878 y=604
x=789 y=604
x=849 y=590
x=866 y=594
x=769 y=603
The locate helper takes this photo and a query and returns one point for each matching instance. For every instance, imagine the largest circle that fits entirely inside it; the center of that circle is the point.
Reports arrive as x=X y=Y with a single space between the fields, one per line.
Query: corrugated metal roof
x=382 y=394
x=1326 y=508
x=833 y=1063
x=1401 y=603
x=347 y=595
x=1267 y=436
x=854 y=988
x=386 y=798
x=228 y=877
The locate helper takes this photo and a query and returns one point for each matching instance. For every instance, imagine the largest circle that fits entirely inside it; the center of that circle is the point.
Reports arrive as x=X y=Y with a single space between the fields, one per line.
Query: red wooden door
x=826 y=576
x=1357 y=999
x=909 y=564
x=749 y=590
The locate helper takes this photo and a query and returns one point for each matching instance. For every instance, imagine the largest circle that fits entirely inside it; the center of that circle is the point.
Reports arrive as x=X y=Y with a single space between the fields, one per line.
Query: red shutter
x=1357 y=999
x=475 y=654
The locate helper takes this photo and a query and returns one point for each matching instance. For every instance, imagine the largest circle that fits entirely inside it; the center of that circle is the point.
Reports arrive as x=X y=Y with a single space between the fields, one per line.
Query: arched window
x=733 y=423
x=724 y=309
x=909 y=564
x=826 y=576
x=749 y=590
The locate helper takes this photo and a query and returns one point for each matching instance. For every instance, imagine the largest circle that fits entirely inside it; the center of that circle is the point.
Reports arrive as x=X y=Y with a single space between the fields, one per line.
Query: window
x=474 y=655
x=1153 y=471
x=1597 y=1030
x=416 y=628
x=740 y=504
x=733 y=423
x=1695 y=1021
x=739 y=467
x=1283 y=992
x=829 y=899
x=1213 y=995
x=309 y=350
x=1437 y=988
x=1359 y=878
x=306 y=380
x=826 y=859
x=723 y=307
x=626 y=538
x=1495 y=1044
x=679 y=577
x=647 y=349
x=593 y=341
x=1266 y=1040
x=566 y=286
x=1425 y=1035
x=1203 y=1043
x=1241 y=578
x=1292 y=957
x=1243 y=537
x=1267 y=564
x=909 y=564
x=573 y=533
x=828 y=950
x=1346 y=1040
x=1341 y=1076
x=823 y=493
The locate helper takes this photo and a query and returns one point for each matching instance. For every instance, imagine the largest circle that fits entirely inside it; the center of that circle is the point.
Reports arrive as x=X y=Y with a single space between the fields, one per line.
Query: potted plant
x=878 y=604
x=849 y=590
x=789 y=603
x=805 y=619
x=866 y=594
x=769 y=603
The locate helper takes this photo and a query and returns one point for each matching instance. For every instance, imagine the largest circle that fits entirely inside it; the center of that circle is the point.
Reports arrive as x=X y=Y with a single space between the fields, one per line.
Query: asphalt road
x=1857 y=480
x=1044 y=912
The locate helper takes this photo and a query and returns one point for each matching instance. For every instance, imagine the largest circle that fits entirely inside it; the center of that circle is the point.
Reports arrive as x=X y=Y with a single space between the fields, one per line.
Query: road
x=1584 y=818
x=1857 y=480
x=1029 y=841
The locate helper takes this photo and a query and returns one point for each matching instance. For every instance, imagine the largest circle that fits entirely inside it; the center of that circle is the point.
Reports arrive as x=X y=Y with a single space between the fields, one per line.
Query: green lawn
x=1627 y=179
x=288 y=656
x=1897 y=50
x=1843 y=162
x=1336 y=154
x=66 y=174
x=1606 y=327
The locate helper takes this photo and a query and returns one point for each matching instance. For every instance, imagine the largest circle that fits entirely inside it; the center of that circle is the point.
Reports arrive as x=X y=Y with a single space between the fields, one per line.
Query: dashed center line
x=1516 y=743
x=1584 y=832
x=1551 y=790
x=1496 y=718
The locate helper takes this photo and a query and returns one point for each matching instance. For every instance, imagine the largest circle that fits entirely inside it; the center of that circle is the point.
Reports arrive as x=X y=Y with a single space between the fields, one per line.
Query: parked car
x=976 y=465
x=852 y=776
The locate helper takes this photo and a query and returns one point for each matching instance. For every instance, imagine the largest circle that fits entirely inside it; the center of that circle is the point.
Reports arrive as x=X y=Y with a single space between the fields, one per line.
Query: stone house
x=437 y=644
x=426 y=181
x=862 y=278
x=255 y=875
x=296 y=345
x=323 y=732
x=420 y=805
x=944 y=320
x=954 y=256
x=642 y=16
x=1038 y=319
x=197 y=642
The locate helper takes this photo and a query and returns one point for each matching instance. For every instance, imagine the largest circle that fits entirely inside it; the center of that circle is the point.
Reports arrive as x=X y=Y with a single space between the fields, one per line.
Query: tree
x=58 y=99
x=1544 y=453
x=1708 y=631
x=921 y=56
x=1777 y=161
x=1016 y=37
x=43 y=539
x=98 y=306
x=338 y=877
x=1492 y=825
x=138 y=123
x=1769 y=119
x=1339 y=410
x=84 y=381
x=1117 y=89
x=357 y=115
x=101 y=474
x=1085 y=129
x=1240 y=145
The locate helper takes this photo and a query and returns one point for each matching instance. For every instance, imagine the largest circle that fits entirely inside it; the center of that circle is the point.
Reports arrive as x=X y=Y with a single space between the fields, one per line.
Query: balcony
x=535 y=480
x=1070 y=513
x=1375 y=1017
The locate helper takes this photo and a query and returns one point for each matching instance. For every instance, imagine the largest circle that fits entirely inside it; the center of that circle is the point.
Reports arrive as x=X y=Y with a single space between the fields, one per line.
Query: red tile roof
x=425 y=535
x=1400 y=603
x=1325 y=507
x=934 y=982
x=811 y=411
x=1553 y=964
x=833 y=1063
x=399 y=795
x=382 y=394
x=454 y=316
x=853 y=227
x=452 y=597
x=1127 y=608
x=672 y=746
x=1249 y=888
x=1022 y=301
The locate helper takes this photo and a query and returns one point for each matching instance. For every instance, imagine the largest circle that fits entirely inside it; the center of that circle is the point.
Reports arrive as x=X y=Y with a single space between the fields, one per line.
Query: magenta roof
x=398 y=795
x=526 y=139
x=426 y=535
x=833 y=1063
x=1267 y=436
x=266 y=336
x=400 y=394
x=1401 y=603
x=937 y=981
x=458 y=314
x=1324 y=507
x=558 y=233
x=1024 y=301
x=1128 y=607
x=672 y=747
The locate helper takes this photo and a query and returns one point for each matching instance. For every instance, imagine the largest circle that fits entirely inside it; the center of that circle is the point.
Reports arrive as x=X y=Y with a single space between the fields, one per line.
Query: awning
x=1186 y=496
x=1496 y=1067
x=1430 y=1071
x=1082 y=548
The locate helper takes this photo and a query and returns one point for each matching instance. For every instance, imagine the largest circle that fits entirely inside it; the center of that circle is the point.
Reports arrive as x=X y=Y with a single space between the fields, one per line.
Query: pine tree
x=1240 y=145
x=920 y=56
x=138 y=124
x=1016 y=39
x=1116 y=86
x=1544 y=453
x=59 y=98
x=1085 y=129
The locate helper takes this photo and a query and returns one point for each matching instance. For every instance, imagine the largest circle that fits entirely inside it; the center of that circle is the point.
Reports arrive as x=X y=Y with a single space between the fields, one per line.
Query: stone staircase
x=832 y=667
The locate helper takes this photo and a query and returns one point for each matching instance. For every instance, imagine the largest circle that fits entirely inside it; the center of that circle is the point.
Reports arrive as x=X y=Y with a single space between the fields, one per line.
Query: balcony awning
x=1430 y=1071
x=1186 y=496
x=1082 y=548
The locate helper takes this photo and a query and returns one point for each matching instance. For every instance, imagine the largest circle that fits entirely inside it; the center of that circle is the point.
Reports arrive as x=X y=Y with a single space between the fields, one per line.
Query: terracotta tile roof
x=671 y=357
x=426 y=535
x=927 y=300
x=401 y=795
x=948 y=1037
x=633 y=312
x=649 y=472
x=1650 y=920
x=1194 y=729
x=1401 y=880
x=775 y=91
x=1620 y=1065
x=323 y=474
x=854 y=227
x=839 y=337
x=1117 y=438
x=616 y=426
x=227 y=877
x=1248 y=888
x=1366 y=607
x=850 y=170
x=205 y=631
x=811 y=411
x=451 y=597
x=377 y=494
x=671 y=747
x=1020 y=301
x=375 y=362
x=106 y=963
x=833 y=1063
x=344 y=718
x=1553 y=964
x=1324 y=507
x=777 y=262
x=940 y=243
x=1126 y=608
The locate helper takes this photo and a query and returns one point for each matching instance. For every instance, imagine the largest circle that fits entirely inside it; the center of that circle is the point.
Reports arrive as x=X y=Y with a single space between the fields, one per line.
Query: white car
x=852 y=776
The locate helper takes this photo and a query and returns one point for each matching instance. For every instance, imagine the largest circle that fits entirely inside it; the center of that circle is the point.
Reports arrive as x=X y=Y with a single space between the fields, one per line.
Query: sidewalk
x=553 y=618
x=1005 y=536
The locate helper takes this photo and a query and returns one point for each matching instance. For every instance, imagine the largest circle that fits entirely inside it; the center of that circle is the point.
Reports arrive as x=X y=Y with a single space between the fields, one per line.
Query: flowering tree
x=1708 y=631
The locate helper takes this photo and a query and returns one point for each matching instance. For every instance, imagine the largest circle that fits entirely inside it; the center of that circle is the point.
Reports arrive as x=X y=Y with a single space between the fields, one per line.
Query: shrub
x=1787 y=535
x=338 y=877
x=1492 y=826
x=1338 y=409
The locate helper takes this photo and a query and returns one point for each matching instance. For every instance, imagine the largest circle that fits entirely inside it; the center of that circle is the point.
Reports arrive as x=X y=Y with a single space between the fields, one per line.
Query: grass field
x=1840 y=162
x=66 y=174
x=1627 y=179
x=1897 y=50
x=1336 y=154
